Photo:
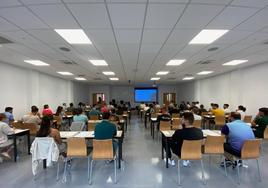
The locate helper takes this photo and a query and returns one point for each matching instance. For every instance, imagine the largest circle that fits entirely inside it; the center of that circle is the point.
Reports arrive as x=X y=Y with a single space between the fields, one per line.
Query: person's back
x=79 y=117
x=261 y=122
x=94 y=112
x=31 y=118
x=4 y=131
x=105 y=130
x=218 y=112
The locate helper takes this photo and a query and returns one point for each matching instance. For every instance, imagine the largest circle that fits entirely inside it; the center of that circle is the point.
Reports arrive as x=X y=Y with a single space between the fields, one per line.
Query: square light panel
x=162 y=73
x=235 y=62
x=80 y=78
x=208 y=36
x=36 y=62
x=99 y=62
x=155 y=78
x=66 y=73
x=74 y=36
x=188 y=78
x=175 y=62
x=205 y=72
x=108 y=73
x=114 y=79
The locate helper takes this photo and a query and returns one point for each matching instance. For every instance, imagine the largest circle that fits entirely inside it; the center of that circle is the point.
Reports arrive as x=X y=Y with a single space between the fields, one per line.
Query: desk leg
x=153 y=129
x=167 y=149
x=44 y=164
x=120 y=153
x=29 y=142
x=126 y=123
x=145 y=121
x=15 y=147
x=162 y=150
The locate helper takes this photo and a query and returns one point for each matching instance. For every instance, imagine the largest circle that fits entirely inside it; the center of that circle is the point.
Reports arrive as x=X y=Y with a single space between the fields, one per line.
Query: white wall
x=80 y=93
x=247 y=87
x=186 y=92
x=21 y=88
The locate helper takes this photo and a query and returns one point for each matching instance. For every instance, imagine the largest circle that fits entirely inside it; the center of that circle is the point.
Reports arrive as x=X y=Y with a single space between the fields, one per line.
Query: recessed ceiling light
x=162 y=73
x=74 y=36
x=205 y=72
x=235 y=62
x=80 y=78
x=66 y=73
x=98 y=62
x=36 y=62
x=207 y=36
x=175 y=62
x=108 y=73
x=155 y=78
x=114 y=79
x=188 y=78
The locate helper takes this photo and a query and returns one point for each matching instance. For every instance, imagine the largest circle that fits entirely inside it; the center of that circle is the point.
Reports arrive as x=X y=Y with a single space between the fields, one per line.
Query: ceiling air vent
x=97 y=79
x=65 y=49
x=67 y=62
x=4 y=40
x=171 y=78
x=213 y=49
x=205 y=62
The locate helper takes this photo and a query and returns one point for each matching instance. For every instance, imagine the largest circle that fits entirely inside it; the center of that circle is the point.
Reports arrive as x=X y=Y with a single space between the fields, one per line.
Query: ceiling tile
x=6 y=26
x=9 y=3
x=20 y=37
x=182 y=36
x=128 y=36
x=221 y=2
x=250 y=3
x=32 y=2
x=155 y=36
x=48 y=36
x=101 y=36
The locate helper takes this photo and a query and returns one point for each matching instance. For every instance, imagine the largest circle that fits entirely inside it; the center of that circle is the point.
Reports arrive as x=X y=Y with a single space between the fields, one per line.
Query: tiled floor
x=143 y=167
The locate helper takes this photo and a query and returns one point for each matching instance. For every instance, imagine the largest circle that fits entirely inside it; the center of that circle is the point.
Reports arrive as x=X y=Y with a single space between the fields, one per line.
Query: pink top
x=104 y=109
x=47 y=112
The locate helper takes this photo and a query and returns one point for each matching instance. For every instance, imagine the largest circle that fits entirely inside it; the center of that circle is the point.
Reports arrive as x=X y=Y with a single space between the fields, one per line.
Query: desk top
x=83 y=134
x=17 y=131
x=206 y=132
x=212 y=116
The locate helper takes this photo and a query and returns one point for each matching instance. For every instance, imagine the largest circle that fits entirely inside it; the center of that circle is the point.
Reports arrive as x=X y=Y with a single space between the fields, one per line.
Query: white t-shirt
x=242 y=113
x=4 y=131
x=197 y=117
x=30 y=118
x=227 y=111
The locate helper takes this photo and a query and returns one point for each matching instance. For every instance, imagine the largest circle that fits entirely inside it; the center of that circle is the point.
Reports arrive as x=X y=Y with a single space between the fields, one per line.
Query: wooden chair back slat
x=191 y=150
x=164 y=125
x=251 y=149
x=76 y=147
x=102 y=149
x=214 y=144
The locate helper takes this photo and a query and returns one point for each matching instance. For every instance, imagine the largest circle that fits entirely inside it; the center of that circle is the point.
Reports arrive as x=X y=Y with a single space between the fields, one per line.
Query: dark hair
x=201 y=106
x=106 y=115
x=7 y=109
x=240 y=107
x=71 y=104
x=216 y=105
x=46 y=106
x=195 y=110
x=44 y=130
x=59 y=109
x=79 y=111
x=226 y=105
x=75 y=111
x=2 y=116
x=34 y=109
x=236 y=115
x=189 y=117
x=264 y=110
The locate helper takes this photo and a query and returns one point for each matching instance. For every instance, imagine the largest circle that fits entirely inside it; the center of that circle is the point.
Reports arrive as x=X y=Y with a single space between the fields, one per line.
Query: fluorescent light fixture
x=66 y=73
x=155 y=78
x=114 y=79
x=235 y=62
x=108 y=73
x=36 y=62
x=80 y=78
x=175 y=62
x=207 y=36
x=0 y=45
x=74 y=36
x=205 y=72
x=98 y=62
x=188 y=78
x=162 y=73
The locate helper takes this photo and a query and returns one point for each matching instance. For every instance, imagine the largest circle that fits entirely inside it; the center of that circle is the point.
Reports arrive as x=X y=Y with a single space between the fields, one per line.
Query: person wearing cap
x=260 y=122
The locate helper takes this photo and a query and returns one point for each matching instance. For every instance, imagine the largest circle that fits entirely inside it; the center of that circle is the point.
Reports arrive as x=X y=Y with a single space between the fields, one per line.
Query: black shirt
x=184 y=134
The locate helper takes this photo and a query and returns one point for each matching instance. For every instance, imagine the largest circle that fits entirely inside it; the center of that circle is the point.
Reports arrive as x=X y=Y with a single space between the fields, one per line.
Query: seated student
x=217 y=111
x=79 y=117
x=105 y=129
x=47 y=111
x=9 y=115
x=241 y=109
x=195 y=111
x=119 y=110
x=5 y=143
x=260 y=122
x=202 y=109
x=94 y=111
x=142 y=106
x=189 y=132
x=165 y=116
x=33 y=117
x=226 y=109
x=110 y=106
x=70 y=108
x=104 y=108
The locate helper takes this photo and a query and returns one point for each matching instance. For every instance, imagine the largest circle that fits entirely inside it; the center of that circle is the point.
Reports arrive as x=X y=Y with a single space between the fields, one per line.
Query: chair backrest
x=31 y=126
x=154 y=115
x=102 y=149
x=17 y=124
x=76 y=147
x=191 y=150
x=175 y=115
x=176 y=123
x=91 y=126
x=247 y=119
x=197 y=124
x=77 y=126
x=120 y=117
x=220 y=120
x=204 y=113
x=164 y=125
x=214 y=144
x=58 y=120
x=251 y=149
x=265 y=133
x=93 y=117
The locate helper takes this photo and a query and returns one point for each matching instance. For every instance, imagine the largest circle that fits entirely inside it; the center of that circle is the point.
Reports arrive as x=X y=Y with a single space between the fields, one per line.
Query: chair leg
x=88 y=161
x=58 y=169
x=258 y=169
x=238 y=173
x=179 y=173
x=203 y=174
x=65 y=172
x=115 y=180
x=224 y=162
x=90 y=173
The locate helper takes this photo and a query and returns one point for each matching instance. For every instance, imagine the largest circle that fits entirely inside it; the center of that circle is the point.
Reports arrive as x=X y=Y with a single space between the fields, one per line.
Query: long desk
x=90 y=135
x=168 y=134
x=20 y=132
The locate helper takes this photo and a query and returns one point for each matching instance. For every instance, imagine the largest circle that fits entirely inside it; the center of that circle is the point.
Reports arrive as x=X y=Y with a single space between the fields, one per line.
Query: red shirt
x=104 y=109
x=47 y=112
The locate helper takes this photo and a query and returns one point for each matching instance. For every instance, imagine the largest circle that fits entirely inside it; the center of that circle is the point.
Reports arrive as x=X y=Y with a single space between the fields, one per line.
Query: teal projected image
x=145 y=94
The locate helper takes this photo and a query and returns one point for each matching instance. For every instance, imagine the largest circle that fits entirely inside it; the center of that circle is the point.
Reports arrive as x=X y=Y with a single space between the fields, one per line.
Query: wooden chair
x=265 y=133
x=31 y=126
x=91 y=126
x=247 y=119
x=250 y=150
x=76 y=148
x=175 y=115
x=197 y=124
x=94 y=117
x=58 y=121
x=176 y=123
x=164 y=126
x=214 y=146
x=219 y=121
x=102 y=150
x=154 y=115
x=191 y=150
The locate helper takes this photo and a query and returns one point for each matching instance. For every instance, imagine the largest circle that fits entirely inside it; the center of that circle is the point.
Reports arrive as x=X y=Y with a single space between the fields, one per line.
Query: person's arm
x=225 y=130
x=7 y=129
x=56 y=135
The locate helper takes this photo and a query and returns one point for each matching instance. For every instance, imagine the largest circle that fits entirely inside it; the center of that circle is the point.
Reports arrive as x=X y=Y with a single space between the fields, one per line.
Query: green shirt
x=262 y=123
x=105 y=130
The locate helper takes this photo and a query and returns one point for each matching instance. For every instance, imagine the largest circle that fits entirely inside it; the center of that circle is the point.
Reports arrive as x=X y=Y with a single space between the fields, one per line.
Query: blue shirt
x=237 y=132
x=80 y=118
x=9 y=118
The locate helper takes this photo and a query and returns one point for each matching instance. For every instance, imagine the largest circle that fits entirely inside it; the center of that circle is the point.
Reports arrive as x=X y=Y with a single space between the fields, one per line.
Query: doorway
x=168 y=98
x=98 y=98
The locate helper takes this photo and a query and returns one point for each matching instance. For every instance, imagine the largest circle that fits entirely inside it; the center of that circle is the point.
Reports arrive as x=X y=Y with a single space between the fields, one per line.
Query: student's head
x=2 y=116
x=106 y=115
x=201 y=106
x=110 y=103
x=64 y=104
x=215 y=106
x=188 y=118
x=79 y=111
x=71 y=104
x=46 y=106
x=263 y=111
x=34 y=109
x=225 y=106
x=235 y=116
x=242 y=108
x=9 y=109
x=195 y=110
x=59 y=110
x=113 y=111
x=44 y=127
x=211 y=104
